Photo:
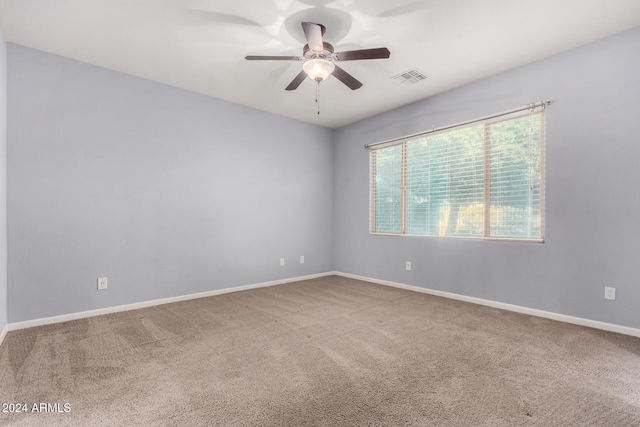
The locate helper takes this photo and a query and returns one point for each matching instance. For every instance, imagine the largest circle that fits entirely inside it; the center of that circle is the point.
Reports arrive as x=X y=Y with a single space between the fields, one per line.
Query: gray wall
x=168 y=192
x=164 y=191
x=3 y=182
x=592 y=199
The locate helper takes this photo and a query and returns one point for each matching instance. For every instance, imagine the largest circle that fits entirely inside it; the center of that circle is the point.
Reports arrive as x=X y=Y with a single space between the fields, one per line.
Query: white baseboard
x=143 y=304
x=4 y=333
x=504 y=306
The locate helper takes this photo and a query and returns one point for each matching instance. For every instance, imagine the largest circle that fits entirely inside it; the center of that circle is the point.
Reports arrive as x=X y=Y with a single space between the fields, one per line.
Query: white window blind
x=484 y=180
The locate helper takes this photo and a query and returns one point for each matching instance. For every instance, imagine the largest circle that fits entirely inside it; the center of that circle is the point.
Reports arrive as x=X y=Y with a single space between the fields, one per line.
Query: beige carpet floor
x=324 y=352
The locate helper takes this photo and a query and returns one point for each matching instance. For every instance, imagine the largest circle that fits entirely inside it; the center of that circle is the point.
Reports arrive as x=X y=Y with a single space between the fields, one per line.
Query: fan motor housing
x=326 y=52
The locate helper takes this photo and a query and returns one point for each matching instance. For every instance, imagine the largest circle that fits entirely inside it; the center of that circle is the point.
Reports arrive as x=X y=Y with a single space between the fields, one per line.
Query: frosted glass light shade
x=318 y=69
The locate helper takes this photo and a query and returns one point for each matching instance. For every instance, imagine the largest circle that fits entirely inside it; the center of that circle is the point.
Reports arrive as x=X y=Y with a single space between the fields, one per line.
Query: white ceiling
x=200 y=45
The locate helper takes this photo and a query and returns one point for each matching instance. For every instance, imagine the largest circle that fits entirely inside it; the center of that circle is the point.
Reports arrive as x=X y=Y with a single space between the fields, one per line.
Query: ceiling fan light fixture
x=318 y=69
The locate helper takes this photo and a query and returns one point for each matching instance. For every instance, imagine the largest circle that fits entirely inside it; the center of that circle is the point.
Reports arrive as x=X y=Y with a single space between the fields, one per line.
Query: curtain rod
x=531 y=106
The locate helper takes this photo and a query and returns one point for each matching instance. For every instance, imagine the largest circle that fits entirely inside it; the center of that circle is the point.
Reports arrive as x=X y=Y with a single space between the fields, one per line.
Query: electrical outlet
x=281 y=262
x=609 y=293
x=102 y=283
x=408 y=265
x=301 y=259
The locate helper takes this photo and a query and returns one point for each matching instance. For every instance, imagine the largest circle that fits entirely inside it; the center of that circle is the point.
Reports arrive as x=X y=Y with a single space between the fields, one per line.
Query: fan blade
x=296 y=82
x=313 y=33
x=418 y=6
x=354 y=55
x=273 y=58
x=222 y=18
x=346 y=78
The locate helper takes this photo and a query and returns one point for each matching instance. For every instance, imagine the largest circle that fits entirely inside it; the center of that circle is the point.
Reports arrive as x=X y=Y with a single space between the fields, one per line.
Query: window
x=484 y=180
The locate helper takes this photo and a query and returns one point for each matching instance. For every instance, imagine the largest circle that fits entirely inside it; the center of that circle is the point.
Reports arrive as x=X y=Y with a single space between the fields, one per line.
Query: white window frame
x=530 y=109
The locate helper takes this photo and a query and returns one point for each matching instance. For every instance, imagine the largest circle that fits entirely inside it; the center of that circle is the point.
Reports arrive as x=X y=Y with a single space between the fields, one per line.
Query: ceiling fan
x=319 y=59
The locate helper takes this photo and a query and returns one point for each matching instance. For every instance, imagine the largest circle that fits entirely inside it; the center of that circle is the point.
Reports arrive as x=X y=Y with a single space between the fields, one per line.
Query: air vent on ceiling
x=410 y=77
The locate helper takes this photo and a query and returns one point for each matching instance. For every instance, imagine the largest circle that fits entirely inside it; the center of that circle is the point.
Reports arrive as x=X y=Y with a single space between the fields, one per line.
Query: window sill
x=487 y=239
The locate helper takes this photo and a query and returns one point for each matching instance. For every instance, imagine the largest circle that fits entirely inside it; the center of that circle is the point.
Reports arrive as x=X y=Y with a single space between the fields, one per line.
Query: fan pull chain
x=318 y=95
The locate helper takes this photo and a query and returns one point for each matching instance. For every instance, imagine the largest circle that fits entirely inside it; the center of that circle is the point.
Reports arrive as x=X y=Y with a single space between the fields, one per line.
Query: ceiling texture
x=200 y=45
